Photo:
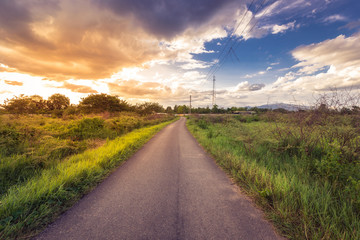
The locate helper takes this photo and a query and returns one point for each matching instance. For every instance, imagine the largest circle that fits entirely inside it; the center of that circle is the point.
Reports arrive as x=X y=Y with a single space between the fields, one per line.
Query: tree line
x=59 y=104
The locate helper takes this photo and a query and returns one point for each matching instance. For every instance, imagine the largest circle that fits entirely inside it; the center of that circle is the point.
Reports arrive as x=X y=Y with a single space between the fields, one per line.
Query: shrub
x=202 y=124
x=10 y=141
x=86 y=128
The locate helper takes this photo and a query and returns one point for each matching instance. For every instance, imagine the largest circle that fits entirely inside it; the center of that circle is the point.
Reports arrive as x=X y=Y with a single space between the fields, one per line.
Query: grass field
x=302 y=168
x=47 y=164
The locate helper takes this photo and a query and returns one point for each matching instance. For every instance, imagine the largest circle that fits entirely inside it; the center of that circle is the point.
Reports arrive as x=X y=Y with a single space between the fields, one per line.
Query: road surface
x=170 y=189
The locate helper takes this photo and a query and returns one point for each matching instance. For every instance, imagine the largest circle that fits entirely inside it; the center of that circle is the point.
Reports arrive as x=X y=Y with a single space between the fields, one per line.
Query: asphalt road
x=170 y=189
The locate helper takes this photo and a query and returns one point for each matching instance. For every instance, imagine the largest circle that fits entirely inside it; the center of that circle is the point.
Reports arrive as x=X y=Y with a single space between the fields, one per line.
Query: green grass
x=33 y=143
x=295 y=185
x=28 y=207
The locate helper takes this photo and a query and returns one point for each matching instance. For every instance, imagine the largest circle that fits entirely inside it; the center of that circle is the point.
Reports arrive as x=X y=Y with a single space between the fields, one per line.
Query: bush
x=10 y=141
x=202 y=124
x=86 y=128
x=96 y=103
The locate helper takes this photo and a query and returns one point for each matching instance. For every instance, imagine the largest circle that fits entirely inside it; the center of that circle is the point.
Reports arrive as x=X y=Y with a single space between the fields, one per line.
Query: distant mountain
x=289 y=107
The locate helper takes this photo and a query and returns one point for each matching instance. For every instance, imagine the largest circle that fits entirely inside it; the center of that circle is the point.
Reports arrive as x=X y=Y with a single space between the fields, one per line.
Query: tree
x=103 y=102
x=215 y=109
x=169 y=110
x=182 y=109
x=149 y=107
x=36 y=104
x=58 y=102
x=24 y=104
x=18 y=105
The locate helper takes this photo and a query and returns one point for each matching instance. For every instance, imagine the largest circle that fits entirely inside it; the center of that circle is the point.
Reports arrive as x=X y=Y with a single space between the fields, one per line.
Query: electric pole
x=190 y=105
x=213 y=95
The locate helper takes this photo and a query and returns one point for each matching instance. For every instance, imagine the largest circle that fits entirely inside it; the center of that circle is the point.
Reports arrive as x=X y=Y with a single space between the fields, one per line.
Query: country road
x=170 y=189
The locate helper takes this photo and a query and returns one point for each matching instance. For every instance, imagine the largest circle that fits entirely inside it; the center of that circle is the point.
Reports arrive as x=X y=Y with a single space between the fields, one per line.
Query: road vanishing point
x=170 y=189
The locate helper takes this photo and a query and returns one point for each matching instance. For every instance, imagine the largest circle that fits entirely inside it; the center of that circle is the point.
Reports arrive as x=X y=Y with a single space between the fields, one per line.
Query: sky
x=259 y=51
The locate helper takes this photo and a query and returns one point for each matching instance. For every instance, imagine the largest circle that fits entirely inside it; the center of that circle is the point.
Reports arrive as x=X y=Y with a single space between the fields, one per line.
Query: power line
x=233 y=32
x=229 y=39
x=221 y=61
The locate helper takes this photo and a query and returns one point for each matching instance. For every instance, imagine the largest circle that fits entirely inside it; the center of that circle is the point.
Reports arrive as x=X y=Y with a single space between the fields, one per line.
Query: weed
x=303 y=167
x=30 y=206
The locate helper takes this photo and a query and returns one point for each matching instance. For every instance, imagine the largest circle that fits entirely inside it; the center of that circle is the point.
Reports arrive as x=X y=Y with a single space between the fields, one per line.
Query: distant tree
x=58 y=102
x=36 y=104
x=176 y=108
x=149 y=107
x=280 y=110
x=169 y=110
x=18 y=105
x=215 y=109
x=355 y=109
x=182 y=109
x=24 y=104
x=103 y=102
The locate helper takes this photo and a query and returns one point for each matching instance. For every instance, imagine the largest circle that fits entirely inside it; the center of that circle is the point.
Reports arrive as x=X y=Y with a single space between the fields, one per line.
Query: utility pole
x=190 y=105
x=213 y=95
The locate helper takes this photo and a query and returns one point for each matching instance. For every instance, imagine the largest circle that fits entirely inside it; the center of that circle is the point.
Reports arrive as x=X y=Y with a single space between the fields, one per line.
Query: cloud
x=49 y=38
x=328 y=64
x=282 y=28
x=335 y=18
x=133 y=88
x=53 y=40
x=283 y=9
x=246 y=86
x=14 y=83
x=352 y=25
x=78 y=88
x=341 y=52
x=166 y=18
x=256 y=86
x=194 y=64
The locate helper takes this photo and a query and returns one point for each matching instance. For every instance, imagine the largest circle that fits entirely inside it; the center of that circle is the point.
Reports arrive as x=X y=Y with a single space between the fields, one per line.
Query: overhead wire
x=221 y=61
x=216 y=67
x=232 y=34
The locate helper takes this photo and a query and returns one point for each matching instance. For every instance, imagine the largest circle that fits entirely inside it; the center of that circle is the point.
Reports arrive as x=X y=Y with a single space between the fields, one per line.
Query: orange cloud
x=55 y=41
x=14 y=83
x=78 y=88
x=133 y=88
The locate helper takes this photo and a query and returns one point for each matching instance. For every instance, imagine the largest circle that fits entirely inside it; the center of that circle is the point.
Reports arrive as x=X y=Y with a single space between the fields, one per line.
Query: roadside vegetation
x=52 y=153
x=302 y=167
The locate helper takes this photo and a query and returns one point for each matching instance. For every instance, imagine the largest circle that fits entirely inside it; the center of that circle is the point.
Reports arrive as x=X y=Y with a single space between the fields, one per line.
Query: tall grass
x=31 y=144
x=295 y=185
x=30 y=206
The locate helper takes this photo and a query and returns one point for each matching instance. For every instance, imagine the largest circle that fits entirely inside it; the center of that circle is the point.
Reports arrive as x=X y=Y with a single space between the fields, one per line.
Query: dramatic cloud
x=166 y=18
x=334 y=63
x=51 y=38
x=340 y=52
x=161 y=50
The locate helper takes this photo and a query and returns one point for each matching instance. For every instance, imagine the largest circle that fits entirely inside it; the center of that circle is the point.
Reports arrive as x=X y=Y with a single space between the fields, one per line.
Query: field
x=48 y=163
x=302 y=168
